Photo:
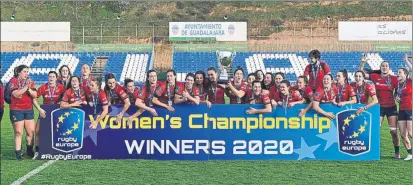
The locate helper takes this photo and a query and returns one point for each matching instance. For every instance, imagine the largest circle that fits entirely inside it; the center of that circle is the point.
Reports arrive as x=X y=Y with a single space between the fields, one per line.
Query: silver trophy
x=225 y=59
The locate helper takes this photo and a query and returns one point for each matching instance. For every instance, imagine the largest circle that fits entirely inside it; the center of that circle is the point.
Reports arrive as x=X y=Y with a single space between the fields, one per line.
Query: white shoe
x=409 y=157
x=36 y=155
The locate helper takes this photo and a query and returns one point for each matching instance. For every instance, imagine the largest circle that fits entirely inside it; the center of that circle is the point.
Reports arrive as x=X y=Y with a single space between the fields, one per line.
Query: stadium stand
x=41 y=63
x=134 y=65
x=290 y=63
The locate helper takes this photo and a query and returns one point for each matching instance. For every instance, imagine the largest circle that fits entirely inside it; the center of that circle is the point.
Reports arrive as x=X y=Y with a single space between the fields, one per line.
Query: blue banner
x=223 y=132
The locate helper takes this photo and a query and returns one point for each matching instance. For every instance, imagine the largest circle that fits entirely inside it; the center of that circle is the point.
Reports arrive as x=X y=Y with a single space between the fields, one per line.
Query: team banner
x=375 y=31
x=223 y=132
x=207 y=31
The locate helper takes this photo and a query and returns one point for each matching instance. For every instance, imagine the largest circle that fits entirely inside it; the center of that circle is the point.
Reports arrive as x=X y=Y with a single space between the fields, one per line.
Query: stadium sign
x=375 y=31
x=393 y=47
x=207 y=31
x=35 y=31
x=219 y=133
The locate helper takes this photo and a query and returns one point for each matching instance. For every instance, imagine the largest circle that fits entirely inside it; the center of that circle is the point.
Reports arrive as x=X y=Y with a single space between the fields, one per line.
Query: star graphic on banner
x=93 y=133
x=330 y=136
x=61 y=119
x=75 y=126
x=306 y=151
x=347 y=122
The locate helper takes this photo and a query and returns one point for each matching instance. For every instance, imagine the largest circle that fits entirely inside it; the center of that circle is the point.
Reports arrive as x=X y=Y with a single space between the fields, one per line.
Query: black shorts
x=388 y=111
x=405 y=115
x=21 y=115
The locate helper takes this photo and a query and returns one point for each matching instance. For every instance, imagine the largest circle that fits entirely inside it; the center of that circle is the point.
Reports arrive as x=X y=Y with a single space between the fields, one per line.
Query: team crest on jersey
x=158 y=90
x=354 y=132
x=140 y=93
x=317 y=94
x=178 y=88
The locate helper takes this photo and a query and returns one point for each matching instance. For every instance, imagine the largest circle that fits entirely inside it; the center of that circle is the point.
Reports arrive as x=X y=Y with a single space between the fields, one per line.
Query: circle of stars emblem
x=347 y=123
x=60 y=122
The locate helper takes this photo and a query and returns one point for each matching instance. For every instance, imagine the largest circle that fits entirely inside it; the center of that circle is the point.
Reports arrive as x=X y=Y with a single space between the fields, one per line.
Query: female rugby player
x=386 y=86
x=52 y=93
x=325 y=95
x=189 y=95
x=404 y=97
x=23 y=92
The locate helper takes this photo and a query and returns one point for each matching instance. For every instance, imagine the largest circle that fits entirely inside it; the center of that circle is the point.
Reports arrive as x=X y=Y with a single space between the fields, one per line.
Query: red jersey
x=234 y=99
x=385 y=87
x=24 y=102
x=147 y=96
x=215 y=94
x=116 y=95
x=98 y=98
x=85 y=83
x=323 y=96
x=344 y=92
x=262 y=98
x=306 y=93
x=193 y=92
x=132 y=95
x=293 y=96
x=316 y=73
x=71 y=96
x=51 y=95
x=165 y=94
x=274 y=92
x=364 y=92
x=202 y=92
x=404 y=91
x=1 y=95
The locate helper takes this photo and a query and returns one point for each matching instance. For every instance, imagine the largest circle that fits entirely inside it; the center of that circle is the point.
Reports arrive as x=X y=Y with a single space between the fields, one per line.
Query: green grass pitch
x=385 y=171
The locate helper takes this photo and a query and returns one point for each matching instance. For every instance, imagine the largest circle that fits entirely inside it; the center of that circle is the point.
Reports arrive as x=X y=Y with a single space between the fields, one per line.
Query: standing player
x=364 y=91
x=165 y=94
x=201 y=82
x=404 y=97
x=51 y=92
x=236 y=89
x=275 y=89
x=288 y=98
x=345 y=93
x=386 y=86
x=306 y=92
x=21 y=109
x=74 y=95
x=190 y=94
x=268 y=81
x=325 y=95
x=251 y=78
x=147 y=93
x=259 y=74
x=64 y=75
x=116 y=95
x=97 y=99
x=86 y=77
x=131 y=90
x=215 y=92
x=316 y=70
x=259 y=96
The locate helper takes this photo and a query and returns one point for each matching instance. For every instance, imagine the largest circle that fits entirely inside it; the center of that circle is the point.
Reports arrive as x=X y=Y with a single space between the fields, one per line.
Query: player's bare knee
x=18 y=133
